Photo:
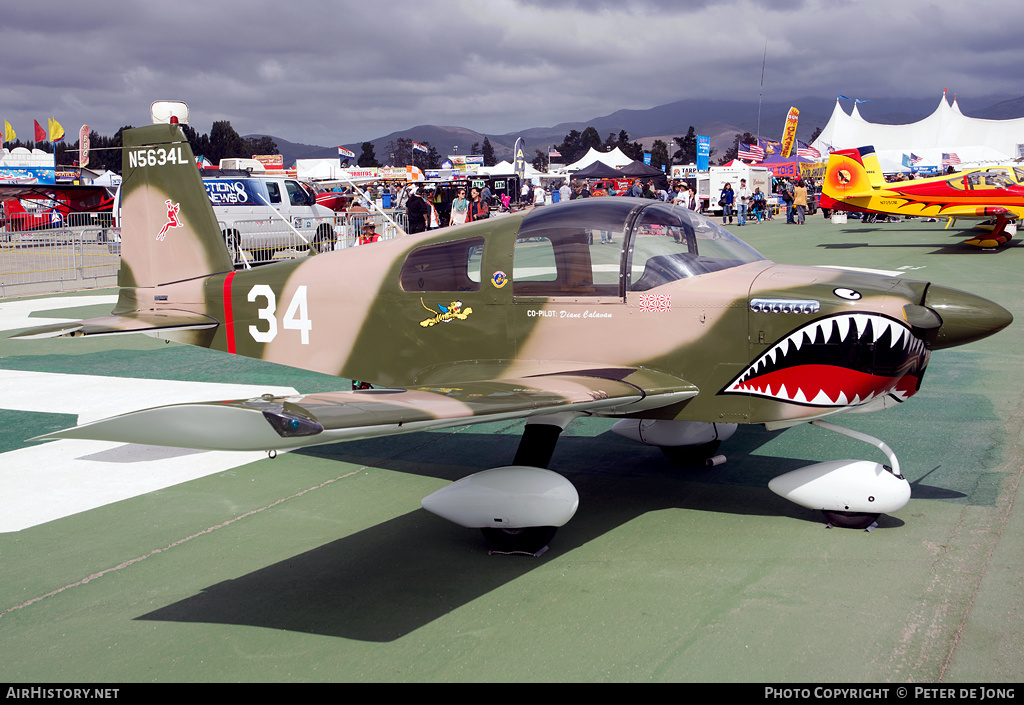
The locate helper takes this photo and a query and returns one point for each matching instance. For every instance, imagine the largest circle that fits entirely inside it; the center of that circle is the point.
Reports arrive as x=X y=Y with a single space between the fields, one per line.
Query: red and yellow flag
x=56 y=131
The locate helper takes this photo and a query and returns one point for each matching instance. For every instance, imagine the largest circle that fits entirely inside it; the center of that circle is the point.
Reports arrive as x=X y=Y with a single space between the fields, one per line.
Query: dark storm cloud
x=330 y=73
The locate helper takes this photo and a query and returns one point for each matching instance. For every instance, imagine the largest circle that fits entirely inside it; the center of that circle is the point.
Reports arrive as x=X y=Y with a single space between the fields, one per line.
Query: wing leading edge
x=283 y=423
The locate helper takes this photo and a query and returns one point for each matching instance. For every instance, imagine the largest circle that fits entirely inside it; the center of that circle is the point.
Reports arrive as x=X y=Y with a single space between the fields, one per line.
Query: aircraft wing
x=282 y=423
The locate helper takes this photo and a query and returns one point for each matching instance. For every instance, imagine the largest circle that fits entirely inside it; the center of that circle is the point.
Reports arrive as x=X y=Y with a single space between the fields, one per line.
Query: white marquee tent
x=614 y=158
x=506 y=168
x=973 y=140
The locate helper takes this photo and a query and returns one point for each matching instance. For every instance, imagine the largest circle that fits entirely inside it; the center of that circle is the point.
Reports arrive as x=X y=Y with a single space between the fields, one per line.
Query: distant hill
x=719 y=119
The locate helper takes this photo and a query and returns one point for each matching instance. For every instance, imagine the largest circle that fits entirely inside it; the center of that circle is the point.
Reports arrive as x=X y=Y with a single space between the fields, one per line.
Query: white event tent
x=506 y=168
x=614 y=158
x=946 y=130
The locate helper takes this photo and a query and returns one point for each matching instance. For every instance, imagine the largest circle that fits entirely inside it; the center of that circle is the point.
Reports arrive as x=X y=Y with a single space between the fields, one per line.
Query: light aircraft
x=59 y=200
x=854 y=182
x=676 y=327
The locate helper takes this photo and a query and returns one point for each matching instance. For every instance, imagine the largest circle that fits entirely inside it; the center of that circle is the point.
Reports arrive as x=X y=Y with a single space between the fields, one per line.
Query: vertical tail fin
x=852 y=173
x=169 y=232
x=873 y=168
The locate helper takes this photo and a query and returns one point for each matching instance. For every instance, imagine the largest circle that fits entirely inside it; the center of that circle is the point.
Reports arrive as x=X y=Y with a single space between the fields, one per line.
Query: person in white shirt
x=742 y=201
x=683 y=197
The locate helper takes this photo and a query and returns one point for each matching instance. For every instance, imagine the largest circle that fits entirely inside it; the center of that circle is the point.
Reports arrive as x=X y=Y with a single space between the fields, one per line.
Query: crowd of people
x=429 y=206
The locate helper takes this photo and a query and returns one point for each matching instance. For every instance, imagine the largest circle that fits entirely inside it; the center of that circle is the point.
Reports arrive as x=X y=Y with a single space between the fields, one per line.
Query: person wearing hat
x=369 y=233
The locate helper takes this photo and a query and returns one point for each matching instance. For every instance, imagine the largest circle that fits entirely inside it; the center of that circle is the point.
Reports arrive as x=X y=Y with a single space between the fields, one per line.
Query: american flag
x=806 y=151
x=750 y=152
x=553 y=153
x=914 y=159
x=950 y=159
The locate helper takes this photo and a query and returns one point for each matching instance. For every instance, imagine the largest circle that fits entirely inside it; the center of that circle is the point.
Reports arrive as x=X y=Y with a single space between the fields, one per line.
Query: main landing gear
x=518 y=508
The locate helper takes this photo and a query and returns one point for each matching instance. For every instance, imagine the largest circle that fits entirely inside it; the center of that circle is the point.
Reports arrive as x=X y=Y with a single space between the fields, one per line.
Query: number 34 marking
x=296 y=316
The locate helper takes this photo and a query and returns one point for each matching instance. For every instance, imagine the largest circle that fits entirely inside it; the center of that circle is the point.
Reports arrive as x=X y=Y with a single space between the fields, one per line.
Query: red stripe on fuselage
x=229 y=319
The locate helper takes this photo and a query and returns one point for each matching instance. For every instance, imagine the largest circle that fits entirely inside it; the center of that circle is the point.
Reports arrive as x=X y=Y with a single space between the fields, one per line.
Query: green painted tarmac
x=321 y=566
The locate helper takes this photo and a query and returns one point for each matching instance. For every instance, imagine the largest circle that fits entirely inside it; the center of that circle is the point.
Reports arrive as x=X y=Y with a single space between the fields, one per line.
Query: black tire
x=689 y=456
x=850 y=520
x=529 y=540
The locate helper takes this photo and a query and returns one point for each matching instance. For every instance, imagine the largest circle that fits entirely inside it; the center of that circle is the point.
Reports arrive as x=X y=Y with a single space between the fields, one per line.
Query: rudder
x=852 y=173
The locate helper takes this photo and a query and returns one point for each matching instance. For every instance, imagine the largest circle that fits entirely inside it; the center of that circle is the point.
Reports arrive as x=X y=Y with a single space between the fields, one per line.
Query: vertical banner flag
x=789 y=132
x=519 y=158
x=9 y=134
x=40 y=132
x=83 y=145
x=703 y=152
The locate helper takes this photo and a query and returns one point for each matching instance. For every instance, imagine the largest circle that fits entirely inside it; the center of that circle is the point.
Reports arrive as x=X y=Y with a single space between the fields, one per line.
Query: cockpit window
x=448 y=266
x=983 y=179
x=570 y=250
x=670 y=243
x=601 y=246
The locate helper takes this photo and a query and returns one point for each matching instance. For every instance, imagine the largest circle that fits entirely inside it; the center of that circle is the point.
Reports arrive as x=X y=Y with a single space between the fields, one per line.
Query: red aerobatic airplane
x=853 y=182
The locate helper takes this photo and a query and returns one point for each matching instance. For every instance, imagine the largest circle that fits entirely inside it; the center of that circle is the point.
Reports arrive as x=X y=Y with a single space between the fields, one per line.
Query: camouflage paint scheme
x=746 y=341
x=854 y=182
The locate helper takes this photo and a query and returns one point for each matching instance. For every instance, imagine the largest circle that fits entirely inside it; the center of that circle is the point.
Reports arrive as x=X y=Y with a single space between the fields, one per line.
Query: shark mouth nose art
x=841 y=360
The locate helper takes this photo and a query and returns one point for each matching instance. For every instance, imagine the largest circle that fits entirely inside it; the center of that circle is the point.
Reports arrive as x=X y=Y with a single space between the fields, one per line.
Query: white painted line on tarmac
x=14 y=313
x=883 y=272
x=55 y=479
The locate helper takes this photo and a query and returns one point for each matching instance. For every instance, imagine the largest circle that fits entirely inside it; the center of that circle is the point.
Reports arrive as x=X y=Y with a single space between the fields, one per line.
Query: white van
x=252 y=212
x=756 y=176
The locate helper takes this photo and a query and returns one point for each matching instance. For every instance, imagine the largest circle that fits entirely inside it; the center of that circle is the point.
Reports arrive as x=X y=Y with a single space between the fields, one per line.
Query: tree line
x=105 y=152
x=401 y=152
x=681 y=150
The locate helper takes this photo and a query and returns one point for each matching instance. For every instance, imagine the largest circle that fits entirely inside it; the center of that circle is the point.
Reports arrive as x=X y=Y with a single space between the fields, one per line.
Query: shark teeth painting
x=843 y=360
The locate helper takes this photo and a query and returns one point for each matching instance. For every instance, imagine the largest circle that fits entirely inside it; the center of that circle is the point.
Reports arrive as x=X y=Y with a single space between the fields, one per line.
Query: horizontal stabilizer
x=281 y=423
x=135 y=322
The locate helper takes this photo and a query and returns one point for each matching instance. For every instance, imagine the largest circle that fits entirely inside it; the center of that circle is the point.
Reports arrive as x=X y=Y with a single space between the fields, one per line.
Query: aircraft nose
x=965 y=317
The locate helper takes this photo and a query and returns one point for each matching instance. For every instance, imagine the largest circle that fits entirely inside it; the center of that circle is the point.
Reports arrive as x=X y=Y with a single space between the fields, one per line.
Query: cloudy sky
x=329 y=73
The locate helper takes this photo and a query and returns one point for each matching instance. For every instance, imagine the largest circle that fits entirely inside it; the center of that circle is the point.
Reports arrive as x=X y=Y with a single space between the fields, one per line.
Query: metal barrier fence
x=85 y=251
x=259 y=241
x=58 y=259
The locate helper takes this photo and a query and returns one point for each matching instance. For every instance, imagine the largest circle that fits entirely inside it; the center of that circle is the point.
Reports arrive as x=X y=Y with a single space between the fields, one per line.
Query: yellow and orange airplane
x=854 y=182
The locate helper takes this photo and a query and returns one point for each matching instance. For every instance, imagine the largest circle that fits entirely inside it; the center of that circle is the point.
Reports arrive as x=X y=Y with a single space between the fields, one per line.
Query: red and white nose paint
x=845 y=359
